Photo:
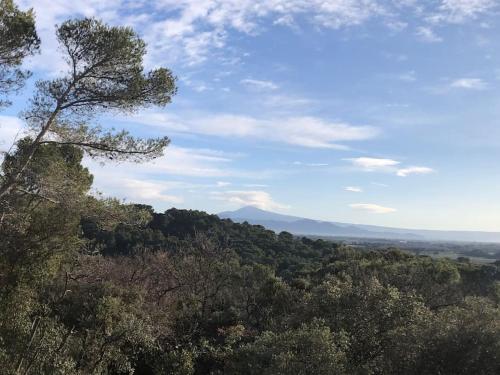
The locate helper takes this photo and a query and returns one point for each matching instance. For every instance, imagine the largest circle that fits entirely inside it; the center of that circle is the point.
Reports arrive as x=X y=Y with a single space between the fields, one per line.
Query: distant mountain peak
x=256 y=213
x=299 y=225
x=250 y=209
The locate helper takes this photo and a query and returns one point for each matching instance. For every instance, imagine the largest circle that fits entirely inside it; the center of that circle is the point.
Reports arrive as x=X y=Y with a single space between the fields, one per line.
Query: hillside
x=298 y=225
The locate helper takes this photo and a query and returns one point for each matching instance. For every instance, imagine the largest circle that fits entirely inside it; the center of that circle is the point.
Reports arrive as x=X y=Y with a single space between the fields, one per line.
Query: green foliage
x=243 y=311
x=40 y=221
x=18 y=39
x=105 y=73
x=107 y=70
x=196 y=305
x=372 y=316
x=39 y=228
x=462 y=339
x=310 y=349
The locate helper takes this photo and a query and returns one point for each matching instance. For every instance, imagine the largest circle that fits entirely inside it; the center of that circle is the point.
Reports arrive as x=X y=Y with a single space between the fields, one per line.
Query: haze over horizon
x=359 y=111
x=269 y=215
x=306 y=226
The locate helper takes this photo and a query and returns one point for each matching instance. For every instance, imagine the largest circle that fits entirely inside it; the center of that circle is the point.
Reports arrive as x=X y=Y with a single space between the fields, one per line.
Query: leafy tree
x=371 y=315
x=39 y=234
x=105 y=73
x=18 y=39
x=45 y=210
x=310 y=349
x=462 y=339
x=44 y=198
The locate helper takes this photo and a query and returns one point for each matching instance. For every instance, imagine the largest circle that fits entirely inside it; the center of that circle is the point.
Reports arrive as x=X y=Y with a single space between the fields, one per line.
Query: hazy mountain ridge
x=298 y=225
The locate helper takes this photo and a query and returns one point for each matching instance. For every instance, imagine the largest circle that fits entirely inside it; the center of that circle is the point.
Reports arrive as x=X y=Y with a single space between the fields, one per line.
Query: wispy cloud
x=388 y=166
x=469 y=84
x=372 y=164
x=259 y=84
x=153 y=183
x=404 y=172
x=303 y=131
x=149 y=182
x=459 y=11
x=373 y=208
x=426 y=34
x=408 y=76
x=134 y=190
x=379 y=184
x=353 y=189
x=256 y=185
x=300 y=163
x=193 y=31
x=287 y=102
x=256 y=198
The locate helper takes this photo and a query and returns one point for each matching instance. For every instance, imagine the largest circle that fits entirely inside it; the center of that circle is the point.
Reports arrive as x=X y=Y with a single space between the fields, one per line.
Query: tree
x=39 y=232
x=310 y=349
x=44 y=196
x=462 y=340
x=375 y=318
x=50 y=312
x=18 y=39
x=105 y=73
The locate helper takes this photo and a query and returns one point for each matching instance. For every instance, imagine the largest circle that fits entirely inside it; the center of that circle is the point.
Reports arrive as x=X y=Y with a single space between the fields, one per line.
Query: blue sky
x=364 y=111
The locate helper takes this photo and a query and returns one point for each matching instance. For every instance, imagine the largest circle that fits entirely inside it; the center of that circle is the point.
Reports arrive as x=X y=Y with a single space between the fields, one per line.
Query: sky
x=364 y=111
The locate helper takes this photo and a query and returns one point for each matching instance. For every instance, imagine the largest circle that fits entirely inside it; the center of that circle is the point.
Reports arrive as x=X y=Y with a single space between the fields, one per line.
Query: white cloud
x=387 y=165
x=286 y=20
x=459 y=11
x=148 y=181
x=256 y=185
x=353 y=189
x=258 y=84
x=379 y=184
x=11 y=129
x=426 y=34
x=303 y=131
x=49 y=13
x=189 y=162
x=373 y=164
x=408 y=76
x=256 y=198
x=192 y=31
x=373 y=208
x=200 y=88
x=139 y=191
x=340 y=13
x=469 y=83
x=299 y=163
x=314 y=132
x=404 y=172
x=284 y=102
x=152 y=183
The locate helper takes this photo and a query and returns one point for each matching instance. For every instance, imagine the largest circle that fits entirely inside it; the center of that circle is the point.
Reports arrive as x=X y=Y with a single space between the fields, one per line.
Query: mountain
x=298 y=225
x=254 y=213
